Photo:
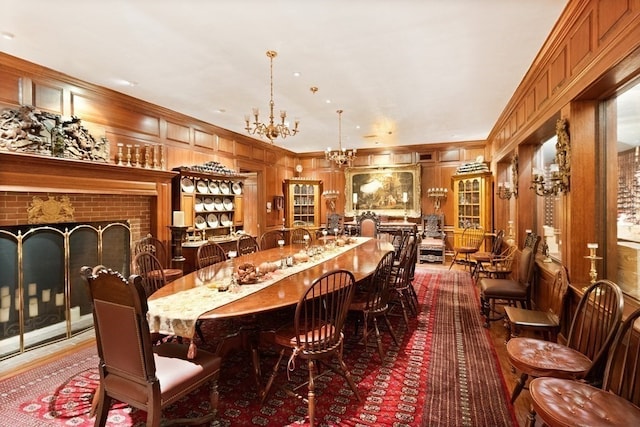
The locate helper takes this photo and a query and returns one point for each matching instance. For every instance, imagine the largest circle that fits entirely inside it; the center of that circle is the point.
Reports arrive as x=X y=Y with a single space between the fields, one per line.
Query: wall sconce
x=437 y=194
x=560 y=171
x=508 y=189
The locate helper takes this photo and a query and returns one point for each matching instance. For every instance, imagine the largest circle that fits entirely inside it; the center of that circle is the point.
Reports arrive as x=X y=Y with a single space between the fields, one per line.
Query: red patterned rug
x=444 y=373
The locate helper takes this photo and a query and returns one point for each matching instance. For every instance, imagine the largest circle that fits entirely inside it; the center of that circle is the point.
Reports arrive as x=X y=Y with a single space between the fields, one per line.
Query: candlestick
x=592 y=257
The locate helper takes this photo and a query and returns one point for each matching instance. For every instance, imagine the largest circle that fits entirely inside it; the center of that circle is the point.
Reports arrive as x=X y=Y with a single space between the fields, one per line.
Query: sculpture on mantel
x=29 y=130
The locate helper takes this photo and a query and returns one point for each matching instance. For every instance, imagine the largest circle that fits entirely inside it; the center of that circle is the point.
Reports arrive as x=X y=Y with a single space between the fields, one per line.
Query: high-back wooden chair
x=368 y=224
x=157 y=248
x=210 y=253
x=545 y=321
x=246 y=244
x=513 y=290
x=373 y=302
x=335 y=221
x=269 y=239
x=316 y=332
x=592 y=330
x=134 y=371
x=562 y=402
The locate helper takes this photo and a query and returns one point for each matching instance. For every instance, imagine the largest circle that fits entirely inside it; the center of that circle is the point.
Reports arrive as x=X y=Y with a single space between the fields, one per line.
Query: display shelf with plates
x=211 y=200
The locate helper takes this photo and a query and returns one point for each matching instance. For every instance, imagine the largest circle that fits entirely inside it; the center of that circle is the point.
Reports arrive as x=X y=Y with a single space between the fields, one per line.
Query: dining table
x=283 y=276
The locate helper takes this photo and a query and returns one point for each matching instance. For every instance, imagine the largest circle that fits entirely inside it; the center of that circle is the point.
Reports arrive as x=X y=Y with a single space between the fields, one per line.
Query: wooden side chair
x=158 y=249
x=372 y=302
x=499 y=266
x=246 y=244
x=479 y=257
x=296 y=236
x=150 y=270
x=403 y=293
x=562 y=402
x=134 y=371
x=368 y=224
x=512 y=290
x=469 y=243
x=592 y=330
x=335 y=221
x=269 y=239
x=432 y=245
x=210 y=253
x=545 y=321
x=315 y=334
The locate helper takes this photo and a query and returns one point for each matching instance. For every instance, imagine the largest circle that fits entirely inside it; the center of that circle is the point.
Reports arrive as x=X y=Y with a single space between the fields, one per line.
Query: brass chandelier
x=270 y=130
x=341 y=156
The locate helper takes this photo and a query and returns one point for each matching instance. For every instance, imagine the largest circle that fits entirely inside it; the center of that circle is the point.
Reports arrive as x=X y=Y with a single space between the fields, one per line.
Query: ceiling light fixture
x=341 y=156
x=270 y=130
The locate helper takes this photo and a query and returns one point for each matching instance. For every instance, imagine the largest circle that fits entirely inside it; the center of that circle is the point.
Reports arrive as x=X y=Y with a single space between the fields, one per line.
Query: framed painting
x=387 y=191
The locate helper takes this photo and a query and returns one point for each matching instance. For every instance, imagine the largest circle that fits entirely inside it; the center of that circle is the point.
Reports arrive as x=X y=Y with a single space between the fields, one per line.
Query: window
x=627 y=139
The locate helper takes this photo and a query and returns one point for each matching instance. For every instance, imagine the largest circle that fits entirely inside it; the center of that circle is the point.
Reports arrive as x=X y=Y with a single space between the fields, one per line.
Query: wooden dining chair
x=269 y=239
x=512 y=290
x=157 y=248
x=246 y=244
x=368 y=224
x=296 y=236
x=468 y=244
x=372 y=302
x=485 y=256
x=132 y=370
x=315 y=334
x=592 y=330
x=402 y=290
x=545 y=321
x=149 y=268
x=563 y=402
x=210 y=253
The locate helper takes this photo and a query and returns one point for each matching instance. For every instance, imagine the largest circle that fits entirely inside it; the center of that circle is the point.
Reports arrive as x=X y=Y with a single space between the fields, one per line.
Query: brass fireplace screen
x=42 y=297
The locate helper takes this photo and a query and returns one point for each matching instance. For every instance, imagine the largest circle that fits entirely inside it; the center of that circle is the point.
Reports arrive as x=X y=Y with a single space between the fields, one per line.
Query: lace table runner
x=176 y=314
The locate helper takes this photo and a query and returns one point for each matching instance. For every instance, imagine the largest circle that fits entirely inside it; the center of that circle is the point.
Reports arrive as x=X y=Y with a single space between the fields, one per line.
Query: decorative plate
x=224 y=220
x=224 y=188
x=187 y=185
x=237 y=188
x=199 y=207
x=200 y=222
x=212 y=220
x=228 y=204
x=217 y=204
x=213 y=187
x=208 y=204
x=202 y=187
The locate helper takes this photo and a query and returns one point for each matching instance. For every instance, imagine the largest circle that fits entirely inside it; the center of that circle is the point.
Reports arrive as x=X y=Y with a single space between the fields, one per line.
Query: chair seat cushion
x=531 y=318
x=565 y=402
x=502 y=288
x=431 y=242
x=467 y=249
x=540 y=358
x=286 y=335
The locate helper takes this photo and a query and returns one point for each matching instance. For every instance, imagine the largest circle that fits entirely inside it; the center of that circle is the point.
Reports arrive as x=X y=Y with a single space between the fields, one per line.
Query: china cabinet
x=472 y=201
x=302 y=202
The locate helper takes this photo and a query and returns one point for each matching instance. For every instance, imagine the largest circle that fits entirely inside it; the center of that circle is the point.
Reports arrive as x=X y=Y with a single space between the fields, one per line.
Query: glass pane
x=628 y=191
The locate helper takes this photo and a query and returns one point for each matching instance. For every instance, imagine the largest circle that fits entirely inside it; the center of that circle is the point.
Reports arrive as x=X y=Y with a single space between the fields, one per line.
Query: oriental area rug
x=444 y=373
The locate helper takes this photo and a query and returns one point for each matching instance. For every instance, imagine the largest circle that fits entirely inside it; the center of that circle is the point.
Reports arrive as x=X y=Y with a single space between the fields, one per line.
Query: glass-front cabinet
x=302 y=202
x=472 y=202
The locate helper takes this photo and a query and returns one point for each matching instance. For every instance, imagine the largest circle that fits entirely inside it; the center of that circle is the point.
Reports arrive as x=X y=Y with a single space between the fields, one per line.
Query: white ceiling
x=404 y=72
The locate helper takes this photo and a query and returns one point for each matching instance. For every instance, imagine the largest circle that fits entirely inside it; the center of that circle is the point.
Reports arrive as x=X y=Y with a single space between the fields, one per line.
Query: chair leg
x=104 y=403
x=199 y=331
x=519 y=386
x=531 y=418
x=347 y=375
x=214 y=397
x=311 y=394
x=391 y=331
x=378 y=338
x=453 y=260
x=272 y=377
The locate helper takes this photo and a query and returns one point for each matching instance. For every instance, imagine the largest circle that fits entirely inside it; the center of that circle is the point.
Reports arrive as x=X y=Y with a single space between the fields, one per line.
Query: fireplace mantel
x=24 y=173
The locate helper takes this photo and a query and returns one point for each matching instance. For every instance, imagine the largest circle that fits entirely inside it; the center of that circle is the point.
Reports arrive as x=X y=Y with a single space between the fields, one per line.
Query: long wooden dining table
x=175 y=308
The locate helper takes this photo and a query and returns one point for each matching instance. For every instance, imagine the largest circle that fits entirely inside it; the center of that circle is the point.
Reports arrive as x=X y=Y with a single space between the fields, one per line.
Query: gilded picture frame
x=382 y=190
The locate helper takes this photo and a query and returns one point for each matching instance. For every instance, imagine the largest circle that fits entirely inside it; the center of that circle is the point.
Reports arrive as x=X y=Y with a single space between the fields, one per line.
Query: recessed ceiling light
x=221 y=110
x=328 y=101
x=7 y=35
x=296 y=74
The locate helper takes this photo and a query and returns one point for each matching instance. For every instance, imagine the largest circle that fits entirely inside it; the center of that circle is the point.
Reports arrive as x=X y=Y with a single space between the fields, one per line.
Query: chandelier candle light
x=341 y=156
x=270 y=130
